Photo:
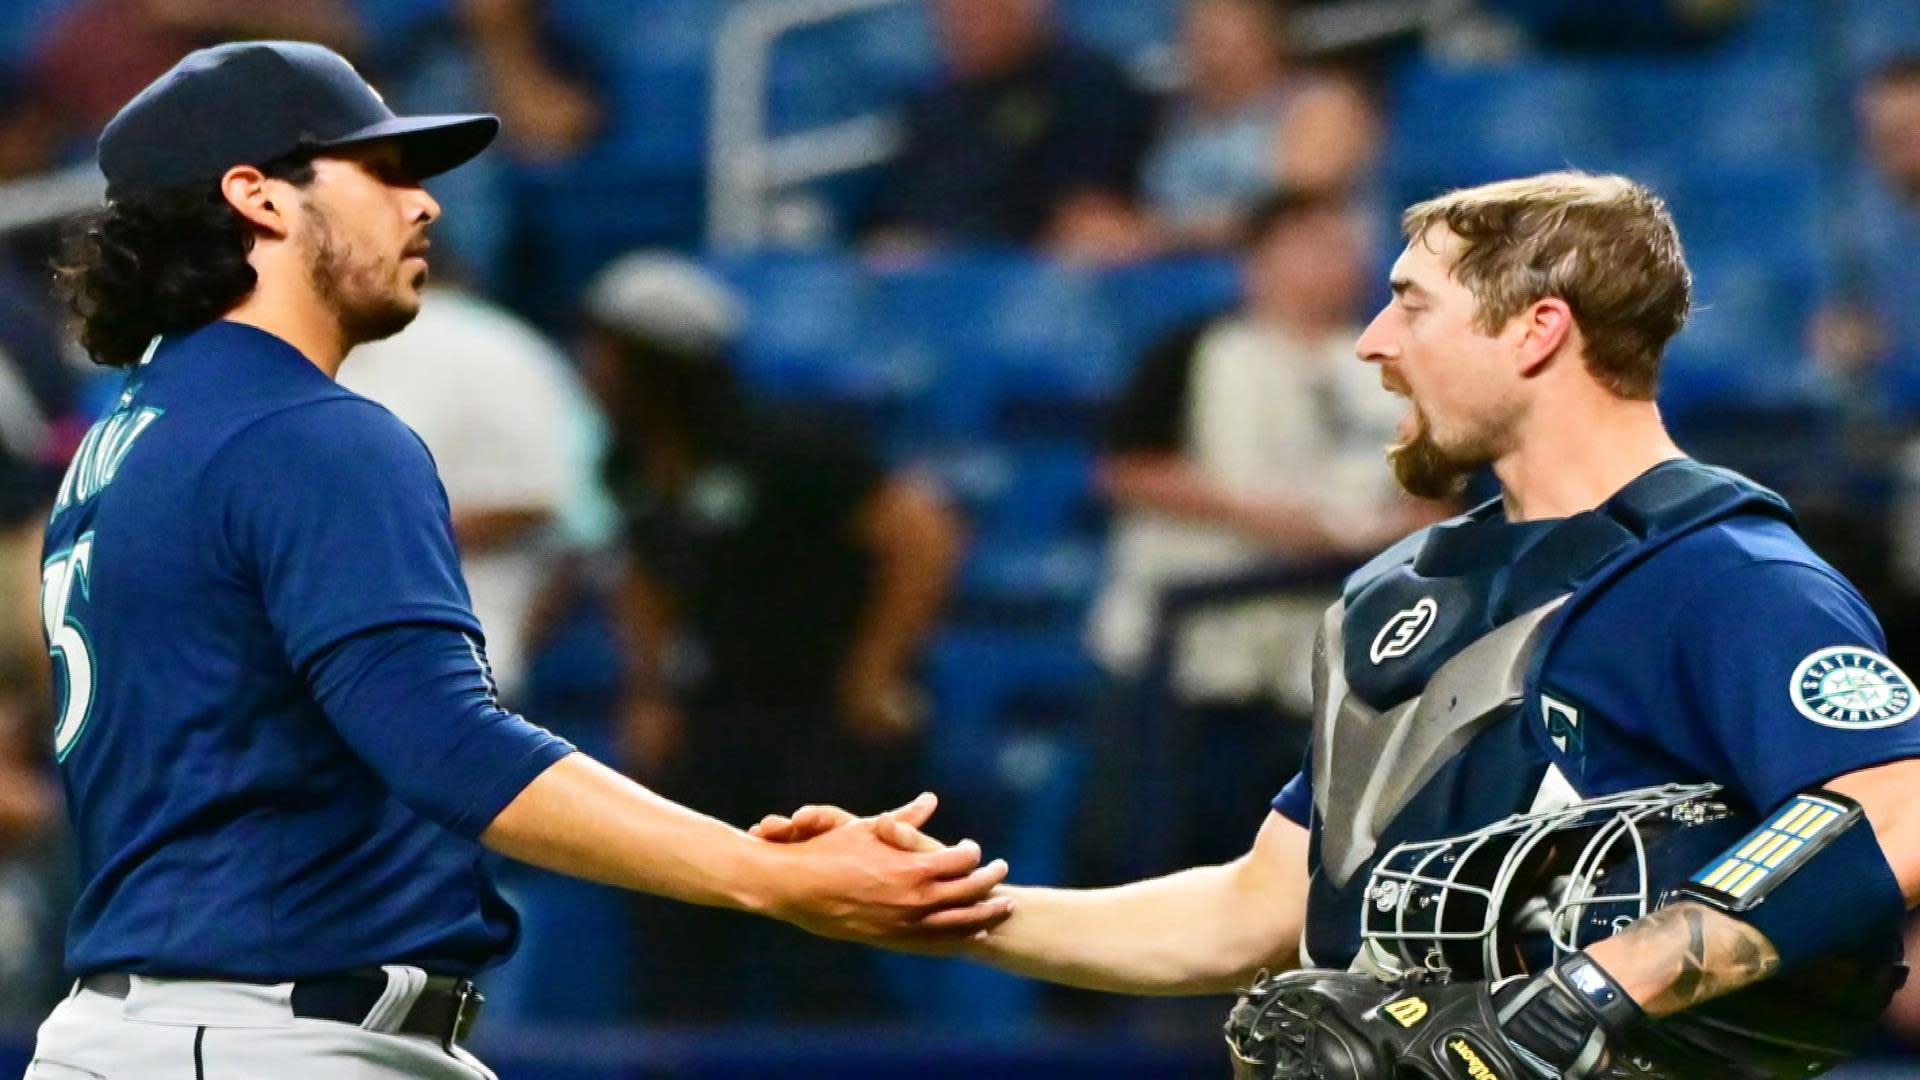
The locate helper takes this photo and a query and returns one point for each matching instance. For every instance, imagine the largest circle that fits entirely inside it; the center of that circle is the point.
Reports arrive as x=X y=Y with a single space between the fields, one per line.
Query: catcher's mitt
x=1303 y=1025
x=1338 y=1025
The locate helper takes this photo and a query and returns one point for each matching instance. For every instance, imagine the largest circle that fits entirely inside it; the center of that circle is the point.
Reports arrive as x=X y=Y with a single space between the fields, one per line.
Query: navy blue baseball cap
x=251 y=102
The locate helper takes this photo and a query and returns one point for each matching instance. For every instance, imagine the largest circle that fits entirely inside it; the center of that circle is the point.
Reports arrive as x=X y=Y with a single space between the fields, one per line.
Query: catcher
x=1610 y=777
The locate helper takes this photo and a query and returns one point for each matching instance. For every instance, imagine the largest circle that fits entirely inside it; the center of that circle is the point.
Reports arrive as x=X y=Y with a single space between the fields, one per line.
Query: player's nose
x=1375 y=344
x=426 y=208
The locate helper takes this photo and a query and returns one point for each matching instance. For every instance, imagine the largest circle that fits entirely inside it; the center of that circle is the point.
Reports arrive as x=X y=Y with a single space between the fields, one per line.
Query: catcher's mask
x=1518 y=895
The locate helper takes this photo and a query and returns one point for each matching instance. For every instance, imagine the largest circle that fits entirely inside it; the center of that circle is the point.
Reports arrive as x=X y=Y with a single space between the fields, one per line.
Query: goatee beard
x=1426 y=471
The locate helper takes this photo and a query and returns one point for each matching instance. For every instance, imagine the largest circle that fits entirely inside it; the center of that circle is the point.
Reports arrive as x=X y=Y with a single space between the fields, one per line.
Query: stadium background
x=989 y=367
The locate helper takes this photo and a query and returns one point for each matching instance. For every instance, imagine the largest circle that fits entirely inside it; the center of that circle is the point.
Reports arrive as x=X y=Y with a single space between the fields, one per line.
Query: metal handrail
x=743 y=164
x=39 y=200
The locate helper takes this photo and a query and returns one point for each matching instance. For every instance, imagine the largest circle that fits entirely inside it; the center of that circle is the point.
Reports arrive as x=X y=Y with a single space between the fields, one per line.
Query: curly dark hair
x=159 y=263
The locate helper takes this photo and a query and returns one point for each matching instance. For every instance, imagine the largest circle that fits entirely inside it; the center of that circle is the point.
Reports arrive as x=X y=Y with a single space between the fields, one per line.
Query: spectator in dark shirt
x=781 y=584
x=1029 y=140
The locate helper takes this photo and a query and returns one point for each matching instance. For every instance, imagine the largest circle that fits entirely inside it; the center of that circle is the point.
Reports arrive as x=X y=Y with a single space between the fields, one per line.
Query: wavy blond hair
x=1604 y=244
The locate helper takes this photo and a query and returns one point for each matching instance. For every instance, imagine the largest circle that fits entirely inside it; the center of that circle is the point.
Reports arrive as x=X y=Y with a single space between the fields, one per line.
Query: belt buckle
x=466 y=1012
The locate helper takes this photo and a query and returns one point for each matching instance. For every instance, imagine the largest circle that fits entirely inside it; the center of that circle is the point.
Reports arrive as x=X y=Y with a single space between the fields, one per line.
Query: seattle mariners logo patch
x=1404 y=631
x=1846 y=686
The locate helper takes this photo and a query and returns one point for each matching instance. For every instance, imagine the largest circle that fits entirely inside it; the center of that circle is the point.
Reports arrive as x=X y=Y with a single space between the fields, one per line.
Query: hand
x=854 y=883
x=899 y=827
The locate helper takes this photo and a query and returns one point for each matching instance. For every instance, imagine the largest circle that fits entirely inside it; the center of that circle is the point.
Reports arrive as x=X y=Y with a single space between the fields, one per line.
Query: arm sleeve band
x=415 y=703
x=1812 y=878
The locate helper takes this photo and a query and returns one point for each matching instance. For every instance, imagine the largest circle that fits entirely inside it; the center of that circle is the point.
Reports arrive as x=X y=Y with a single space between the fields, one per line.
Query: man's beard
x=357 y=289
x=1427 y=470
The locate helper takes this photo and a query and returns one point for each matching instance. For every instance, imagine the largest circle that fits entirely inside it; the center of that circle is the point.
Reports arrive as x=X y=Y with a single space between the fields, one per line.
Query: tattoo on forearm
x=1695 y=954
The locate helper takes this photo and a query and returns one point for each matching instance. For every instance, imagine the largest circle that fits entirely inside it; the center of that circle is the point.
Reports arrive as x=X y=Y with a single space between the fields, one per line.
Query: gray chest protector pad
x=1439 y=639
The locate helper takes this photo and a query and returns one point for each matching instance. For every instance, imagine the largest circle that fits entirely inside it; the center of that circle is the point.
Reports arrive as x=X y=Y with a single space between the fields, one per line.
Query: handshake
x=880 y=880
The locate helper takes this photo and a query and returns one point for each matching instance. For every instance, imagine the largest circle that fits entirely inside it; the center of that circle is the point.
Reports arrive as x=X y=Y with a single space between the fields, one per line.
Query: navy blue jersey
x=1733 y=655
x=236 y=521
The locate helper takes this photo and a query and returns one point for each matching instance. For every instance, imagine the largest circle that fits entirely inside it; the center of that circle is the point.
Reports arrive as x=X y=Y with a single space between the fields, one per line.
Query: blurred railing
x=40 y=200
x=745 y=165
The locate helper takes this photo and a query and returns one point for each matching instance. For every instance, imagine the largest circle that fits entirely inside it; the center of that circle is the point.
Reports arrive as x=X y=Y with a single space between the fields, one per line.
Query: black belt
x=446 y=1009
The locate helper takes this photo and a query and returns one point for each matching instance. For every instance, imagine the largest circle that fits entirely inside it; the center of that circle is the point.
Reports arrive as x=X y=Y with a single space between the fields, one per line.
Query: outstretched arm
x=1204 y=930
x=583 y=819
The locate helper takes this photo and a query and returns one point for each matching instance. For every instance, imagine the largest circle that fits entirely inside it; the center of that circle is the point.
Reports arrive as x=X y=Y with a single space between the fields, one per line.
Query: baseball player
x=276 y=726
x=1622 y=617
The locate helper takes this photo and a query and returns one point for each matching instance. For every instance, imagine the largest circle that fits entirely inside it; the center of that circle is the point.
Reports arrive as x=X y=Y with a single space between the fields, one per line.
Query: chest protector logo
x=1404 y=632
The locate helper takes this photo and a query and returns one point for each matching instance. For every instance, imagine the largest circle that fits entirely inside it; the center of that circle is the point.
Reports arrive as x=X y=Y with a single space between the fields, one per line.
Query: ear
x=1543 y=329
x=252 y=193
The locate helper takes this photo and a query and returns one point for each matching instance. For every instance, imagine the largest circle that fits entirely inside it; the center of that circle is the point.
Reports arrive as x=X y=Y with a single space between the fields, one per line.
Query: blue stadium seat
x=1451 y=126
x=1877 y=29
x=802 y=308
x=1121 y=30
x=894 y=49
x=1766 y=212
x=1150 y=300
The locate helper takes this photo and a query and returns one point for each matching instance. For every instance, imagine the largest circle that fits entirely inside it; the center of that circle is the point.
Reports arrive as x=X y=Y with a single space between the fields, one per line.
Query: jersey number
x=63 y=576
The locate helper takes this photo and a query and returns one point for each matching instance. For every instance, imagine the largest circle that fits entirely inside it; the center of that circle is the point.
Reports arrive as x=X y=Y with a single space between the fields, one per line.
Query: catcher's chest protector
x=1424 y=664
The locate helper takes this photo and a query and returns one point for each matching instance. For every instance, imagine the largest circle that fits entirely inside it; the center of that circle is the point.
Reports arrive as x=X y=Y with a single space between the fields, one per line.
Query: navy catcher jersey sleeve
x=1782 y=668
x=333 y=511
x=1295 y=801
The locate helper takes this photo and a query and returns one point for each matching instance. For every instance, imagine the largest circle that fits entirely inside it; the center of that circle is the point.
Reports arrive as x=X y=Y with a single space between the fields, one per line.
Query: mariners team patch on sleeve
x=1848 y=687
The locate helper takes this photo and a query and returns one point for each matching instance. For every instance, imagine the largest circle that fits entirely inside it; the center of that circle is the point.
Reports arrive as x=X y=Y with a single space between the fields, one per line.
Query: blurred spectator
x=1865 y=341
x=1870 y=320
x=782 y=584
x=1248 y=122
x=40 y=425
x=503 y=56
x=1254 y=438
x=1029 y=140
x=99 y=53
x=1636 y=26
x=497 y=405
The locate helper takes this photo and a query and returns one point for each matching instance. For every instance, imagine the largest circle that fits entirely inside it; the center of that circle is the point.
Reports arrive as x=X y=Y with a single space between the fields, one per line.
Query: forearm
x=645 y=632
x=479 y=531
x=916 y=544
x=582 y=819
x=1683 y=955
x=1688 y=953
x=1187 y=933
x=1178 y=489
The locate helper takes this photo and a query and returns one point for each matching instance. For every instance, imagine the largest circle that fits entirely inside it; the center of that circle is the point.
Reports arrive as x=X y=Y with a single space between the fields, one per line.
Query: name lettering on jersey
x=1404 y=631
x=1563 y=726
x=105 y=446
x=1852 y=688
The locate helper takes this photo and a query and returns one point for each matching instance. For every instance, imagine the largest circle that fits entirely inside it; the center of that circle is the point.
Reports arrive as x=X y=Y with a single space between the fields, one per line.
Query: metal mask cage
x=1430 y=904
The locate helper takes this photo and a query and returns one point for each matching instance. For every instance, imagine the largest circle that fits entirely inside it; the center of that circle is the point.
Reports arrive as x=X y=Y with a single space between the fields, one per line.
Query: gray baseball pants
x=174 y=1029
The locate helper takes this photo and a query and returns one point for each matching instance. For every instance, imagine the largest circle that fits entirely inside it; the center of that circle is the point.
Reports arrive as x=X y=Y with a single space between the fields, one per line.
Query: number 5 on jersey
x=64 y=576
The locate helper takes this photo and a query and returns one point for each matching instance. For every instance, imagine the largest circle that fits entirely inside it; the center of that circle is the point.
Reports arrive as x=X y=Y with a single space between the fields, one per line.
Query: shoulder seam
x=214 y=455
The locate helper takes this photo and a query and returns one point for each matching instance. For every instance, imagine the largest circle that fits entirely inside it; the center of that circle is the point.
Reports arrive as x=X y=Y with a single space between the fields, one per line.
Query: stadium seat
x=1149 y=300
x=1450 y=126
x=1121 y=30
